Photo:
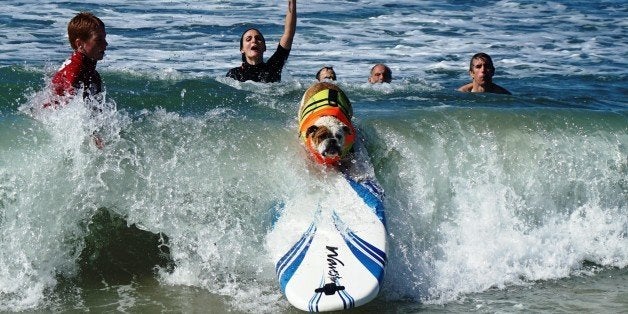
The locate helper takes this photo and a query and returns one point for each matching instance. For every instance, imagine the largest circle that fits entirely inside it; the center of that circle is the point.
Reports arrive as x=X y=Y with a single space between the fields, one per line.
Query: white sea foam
x=462 y=217
x=509 y=217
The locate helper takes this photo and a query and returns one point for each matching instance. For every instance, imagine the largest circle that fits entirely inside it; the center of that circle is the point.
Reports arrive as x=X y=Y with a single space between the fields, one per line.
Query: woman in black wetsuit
x=253 y=46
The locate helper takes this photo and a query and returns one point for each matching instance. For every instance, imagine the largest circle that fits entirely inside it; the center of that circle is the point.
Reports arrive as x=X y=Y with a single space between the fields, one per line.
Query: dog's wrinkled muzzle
x=326 y=159
x=332 y=149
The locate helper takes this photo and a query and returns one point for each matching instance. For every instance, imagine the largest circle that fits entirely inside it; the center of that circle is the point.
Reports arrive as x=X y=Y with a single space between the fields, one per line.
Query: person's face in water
x=328 y=74
x=253 y=46
x=482 y=72
x=379 y=74
x=95 y=46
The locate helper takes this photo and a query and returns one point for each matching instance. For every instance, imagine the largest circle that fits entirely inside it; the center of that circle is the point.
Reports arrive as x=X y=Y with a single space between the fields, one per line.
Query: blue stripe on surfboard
x=284 y=259
x=287 y=270
x=346 y=232
x=372 y=250
x=345 y=295
x=369 y=261
x=292 y=268
x=371 y=194
x=369 y=255
x=313 y=304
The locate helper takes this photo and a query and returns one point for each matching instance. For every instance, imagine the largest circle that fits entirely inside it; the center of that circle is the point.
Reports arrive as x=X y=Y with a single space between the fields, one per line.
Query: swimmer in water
x=253 y=46
x=481 y=70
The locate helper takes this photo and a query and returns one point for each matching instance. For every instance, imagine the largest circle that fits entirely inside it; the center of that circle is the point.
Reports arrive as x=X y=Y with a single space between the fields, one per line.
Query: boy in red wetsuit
x=87 y=35
x=78 y=75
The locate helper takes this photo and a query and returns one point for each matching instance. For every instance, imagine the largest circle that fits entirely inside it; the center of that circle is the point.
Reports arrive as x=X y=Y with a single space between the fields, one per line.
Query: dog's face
x=328 y=136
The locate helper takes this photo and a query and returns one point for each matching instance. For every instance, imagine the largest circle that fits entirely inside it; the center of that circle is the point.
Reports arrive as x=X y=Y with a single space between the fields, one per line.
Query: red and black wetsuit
x=79 y=71
x=268 y=72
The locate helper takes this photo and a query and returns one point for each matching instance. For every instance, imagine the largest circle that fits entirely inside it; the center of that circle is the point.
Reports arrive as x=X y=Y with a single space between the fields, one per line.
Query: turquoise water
x=494 y=203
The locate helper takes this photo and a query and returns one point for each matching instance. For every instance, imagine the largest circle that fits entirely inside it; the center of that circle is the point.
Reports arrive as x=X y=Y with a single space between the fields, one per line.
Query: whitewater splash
x=48 y=185
x=482 y=192
x=479 y=205
x=476 y=198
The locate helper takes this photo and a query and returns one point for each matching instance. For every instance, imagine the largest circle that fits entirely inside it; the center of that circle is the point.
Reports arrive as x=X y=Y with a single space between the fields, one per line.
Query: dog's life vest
x=327 y=102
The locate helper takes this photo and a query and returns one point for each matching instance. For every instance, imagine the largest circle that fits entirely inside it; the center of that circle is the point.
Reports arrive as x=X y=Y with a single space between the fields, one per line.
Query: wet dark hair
x=318 y=74
x=242 y=40
x=481 y=56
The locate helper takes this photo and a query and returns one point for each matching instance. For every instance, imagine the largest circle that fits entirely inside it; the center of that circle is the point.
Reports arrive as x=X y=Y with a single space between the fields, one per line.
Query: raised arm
x=290 y=26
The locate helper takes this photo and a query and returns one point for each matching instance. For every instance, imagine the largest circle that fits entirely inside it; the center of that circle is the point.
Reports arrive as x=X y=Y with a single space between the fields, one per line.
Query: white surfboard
x=332 y=257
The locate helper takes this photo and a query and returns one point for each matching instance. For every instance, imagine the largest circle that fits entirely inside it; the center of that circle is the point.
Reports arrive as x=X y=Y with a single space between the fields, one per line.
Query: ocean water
x=494 y=203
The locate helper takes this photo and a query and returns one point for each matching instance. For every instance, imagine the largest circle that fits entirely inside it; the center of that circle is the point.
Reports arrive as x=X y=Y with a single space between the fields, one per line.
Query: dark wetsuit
x=79 y=71
x=268 y=72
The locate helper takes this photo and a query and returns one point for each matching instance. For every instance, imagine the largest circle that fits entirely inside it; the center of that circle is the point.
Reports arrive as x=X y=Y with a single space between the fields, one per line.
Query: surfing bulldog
x=329 y=248
x=325 y=126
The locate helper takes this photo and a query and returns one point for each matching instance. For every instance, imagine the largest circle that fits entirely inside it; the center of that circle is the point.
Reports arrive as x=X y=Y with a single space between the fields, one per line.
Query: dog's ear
x=347 y=130
x=311 y=130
